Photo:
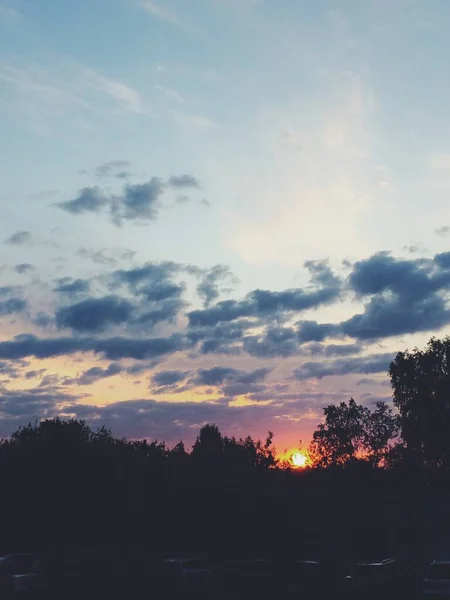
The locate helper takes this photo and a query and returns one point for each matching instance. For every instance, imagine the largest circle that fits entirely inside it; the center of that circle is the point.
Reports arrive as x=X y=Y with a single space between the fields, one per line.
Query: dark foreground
x=133 y=575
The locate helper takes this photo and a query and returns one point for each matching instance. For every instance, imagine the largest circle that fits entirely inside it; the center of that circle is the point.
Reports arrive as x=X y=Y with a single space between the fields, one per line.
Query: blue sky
x=162 y=159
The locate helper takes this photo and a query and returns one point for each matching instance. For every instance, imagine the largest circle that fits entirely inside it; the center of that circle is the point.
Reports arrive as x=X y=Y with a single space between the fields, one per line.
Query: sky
x=228 y=211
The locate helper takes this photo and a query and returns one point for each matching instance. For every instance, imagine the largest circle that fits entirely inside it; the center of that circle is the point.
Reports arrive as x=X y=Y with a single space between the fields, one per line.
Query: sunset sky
x=229 y=211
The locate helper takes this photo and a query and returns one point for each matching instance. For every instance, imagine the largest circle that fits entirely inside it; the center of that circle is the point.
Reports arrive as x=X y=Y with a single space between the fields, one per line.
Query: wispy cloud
x=64 y=84
x=196 y=121
x=125 y=95
x=163 y=13
x=169 y=93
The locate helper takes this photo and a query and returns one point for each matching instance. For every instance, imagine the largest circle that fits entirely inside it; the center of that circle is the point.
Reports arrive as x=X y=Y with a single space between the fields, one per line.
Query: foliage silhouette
x=353 y=432
x=72 y=491
x=421 y=390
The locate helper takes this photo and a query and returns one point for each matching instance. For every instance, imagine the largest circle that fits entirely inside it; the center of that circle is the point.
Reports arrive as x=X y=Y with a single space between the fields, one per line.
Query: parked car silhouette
x=244 y=579
x=188 y=576
x=437 y=581
x=302 y=576
x=372 y=579
x=17 y=573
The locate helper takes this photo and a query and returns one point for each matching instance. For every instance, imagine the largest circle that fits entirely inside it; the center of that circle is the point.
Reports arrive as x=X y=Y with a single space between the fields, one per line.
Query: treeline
x=415 y=436
x=65 y=483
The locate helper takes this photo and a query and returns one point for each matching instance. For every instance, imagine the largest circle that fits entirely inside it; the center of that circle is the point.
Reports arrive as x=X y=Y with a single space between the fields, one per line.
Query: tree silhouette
x=338 y=440
x=381 y=429
x=421 y=389
x=353 y=432
x=208 y=448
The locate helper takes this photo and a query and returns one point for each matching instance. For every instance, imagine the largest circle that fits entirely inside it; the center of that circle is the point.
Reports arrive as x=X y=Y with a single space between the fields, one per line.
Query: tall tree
x=381 y=429
x=351 y=432
x=421 y=387
x=341 y=437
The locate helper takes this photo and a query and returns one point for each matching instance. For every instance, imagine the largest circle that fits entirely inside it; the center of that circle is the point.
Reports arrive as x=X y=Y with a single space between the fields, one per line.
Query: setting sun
x=299 y=460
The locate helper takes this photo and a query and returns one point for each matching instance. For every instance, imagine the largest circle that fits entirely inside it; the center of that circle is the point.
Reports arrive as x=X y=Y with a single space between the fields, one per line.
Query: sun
x=299 y=460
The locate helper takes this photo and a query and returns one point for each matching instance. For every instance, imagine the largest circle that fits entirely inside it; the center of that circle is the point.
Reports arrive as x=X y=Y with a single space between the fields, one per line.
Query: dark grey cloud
x=120 y=169
x=154 y=281
x=9 y=369
x=382 y=272
x=140 y=201
x=12 y=306
x=404 y=296
x=23 y=346
x=374 y=363
x=220 y=339
x=89 y=200
x=69 y=286
x=389 y=316
x=23 y=268
x=94 y=314
x=328 y=350
x=135 y=202
x=106 y=256
x=169 y=378
x=311 y=331
x=167 y=311
x=213 y=284
x=274 y=342
x=42 y=319
x=184 y=181
x=231 y=382
x=219 y=375
x=96 y=373
x=19 y=238
x=34 y=373
x=265 y=303
x=443 y=260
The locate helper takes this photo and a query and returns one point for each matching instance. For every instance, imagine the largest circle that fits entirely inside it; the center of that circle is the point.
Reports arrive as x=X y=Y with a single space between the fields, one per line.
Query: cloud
x=66 y=285
x=19 y=238
x=162 y=13
x=383 y=272
x=26 y=345
x=94 y=314
x=12 y=306
x=166 y=311
x=442 y=231
x=221 y=338
x=123 y=94
x=211 y=285
x=265 y=303
x=374 y=363
x=135 y=202
x=89 y=200
x=275 y=342
x=404 y=296
x=217 y=376
x=169 y=378
x=114 y=168
x=23 y=268
x=443 y=260
x=96 y=373
x=184 y=181
x=106 y=256
x=152 y=280
x=311 y=331
x=229 y=381
x=139 y=201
